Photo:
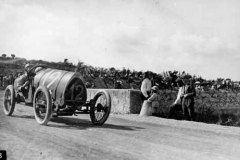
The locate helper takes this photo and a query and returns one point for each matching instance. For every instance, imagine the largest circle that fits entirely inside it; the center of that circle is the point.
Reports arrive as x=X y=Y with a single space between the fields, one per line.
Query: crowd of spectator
x=164 y=80
x=8 y=79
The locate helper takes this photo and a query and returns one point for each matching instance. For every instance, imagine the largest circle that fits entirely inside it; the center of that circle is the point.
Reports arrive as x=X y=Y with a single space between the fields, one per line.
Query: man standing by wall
x=177 y=104
x=188 y=99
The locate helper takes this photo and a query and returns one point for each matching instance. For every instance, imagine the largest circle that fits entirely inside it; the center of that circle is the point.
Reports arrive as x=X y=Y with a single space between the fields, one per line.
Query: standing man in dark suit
x=188 y=99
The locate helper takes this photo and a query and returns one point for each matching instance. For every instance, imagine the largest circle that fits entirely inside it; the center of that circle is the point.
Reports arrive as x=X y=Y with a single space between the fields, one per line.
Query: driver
x=22 y=83
x=27 y=67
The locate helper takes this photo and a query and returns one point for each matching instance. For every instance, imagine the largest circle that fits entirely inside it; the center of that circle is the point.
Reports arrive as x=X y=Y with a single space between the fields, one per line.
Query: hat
x=155 y=88
x=27 y=65
x=179 y=79
x=197 y=82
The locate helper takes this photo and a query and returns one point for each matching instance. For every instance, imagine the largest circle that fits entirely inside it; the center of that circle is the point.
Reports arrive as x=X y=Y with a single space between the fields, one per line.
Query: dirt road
x=121 y=137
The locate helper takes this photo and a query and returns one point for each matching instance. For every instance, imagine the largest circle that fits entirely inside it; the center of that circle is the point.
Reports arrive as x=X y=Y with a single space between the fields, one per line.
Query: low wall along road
x=222 y=107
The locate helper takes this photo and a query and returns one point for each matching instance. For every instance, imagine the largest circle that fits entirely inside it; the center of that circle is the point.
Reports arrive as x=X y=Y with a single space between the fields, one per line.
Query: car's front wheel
x=100 y=108
x=42 y=105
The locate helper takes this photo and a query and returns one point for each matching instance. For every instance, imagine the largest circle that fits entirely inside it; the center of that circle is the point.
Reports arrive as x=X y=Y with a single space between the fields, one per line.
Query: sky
x=200 y=37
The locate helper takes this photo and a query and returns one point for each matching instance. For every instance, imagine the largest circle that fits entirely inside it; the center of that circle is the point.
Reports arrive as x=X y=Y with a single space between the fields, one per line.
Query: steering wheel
x=31 y=72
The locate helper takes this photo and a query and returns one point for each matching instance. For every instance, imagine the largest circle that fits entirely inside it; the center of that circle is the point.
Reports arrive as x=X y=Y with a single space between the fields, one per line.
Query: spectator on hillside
x=145 y=87
x=93 y=85
x=228 y=83
x=213 y=87
x=117 y=81
x=177 y=104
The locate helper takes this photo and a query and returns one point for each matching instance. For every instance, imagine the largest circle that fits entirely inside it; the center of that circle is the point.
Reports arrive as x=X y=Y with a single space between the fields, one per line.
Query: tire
x=9 y=100
x=101 y=105
x=42 y=102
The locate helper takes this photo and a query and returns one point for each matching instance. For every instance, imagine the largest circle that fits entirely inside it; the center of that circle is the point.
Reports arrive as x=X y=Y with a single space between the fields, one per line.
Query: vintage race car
x=54 y=93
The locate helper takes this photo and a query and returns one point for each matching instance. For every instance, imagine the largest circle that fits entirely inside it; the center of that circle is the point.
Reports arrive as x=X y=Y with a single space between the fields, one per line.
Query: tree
x=65 y=60
x=4 y=55
x=13 y=56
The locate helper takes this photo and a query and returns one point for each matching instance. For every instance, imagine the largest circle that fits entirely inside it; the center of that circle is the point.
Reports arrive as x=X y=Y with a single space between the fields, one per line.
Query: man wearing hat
x=188 y=99
x=177 y=104
x=27 y=67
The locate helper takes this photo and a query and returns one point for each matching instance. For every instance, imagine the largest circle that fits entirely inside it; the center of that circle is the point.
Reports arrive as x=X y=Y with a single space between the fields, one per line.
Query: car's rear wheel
x=100 y=107
x=42 y=105
x=9 y=100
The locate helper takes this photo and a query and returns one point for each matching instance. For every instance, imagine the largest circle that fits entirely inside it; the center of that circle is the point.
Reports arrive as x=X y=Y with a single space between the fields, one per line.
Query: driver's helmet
x=38 y=69
x=27 y=66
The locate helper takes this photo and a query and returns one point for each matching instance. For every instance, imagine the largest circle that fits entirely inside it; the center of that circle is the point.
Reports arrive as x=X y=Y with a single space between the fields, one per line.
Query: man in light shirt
x=146 y=87
x=177 y=104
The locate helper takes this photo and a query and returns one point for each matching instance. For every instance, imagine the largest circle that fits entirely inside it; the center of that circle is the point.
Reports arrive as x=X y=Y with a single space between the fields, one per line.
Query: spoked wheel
x=9 y=100
x=100 y=108
x=42 y=105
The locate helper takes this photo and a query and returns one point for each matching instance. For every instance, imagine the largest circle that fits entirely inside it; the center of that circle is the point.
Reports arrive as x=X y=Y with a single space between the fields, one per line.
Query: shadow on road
x=24 y=116
x=75 y=123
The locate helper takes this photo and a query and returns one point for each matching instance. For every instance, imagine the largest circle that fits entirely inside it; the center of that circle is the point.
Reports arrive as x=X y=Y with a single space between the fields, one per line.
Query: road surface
x=121 y=137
